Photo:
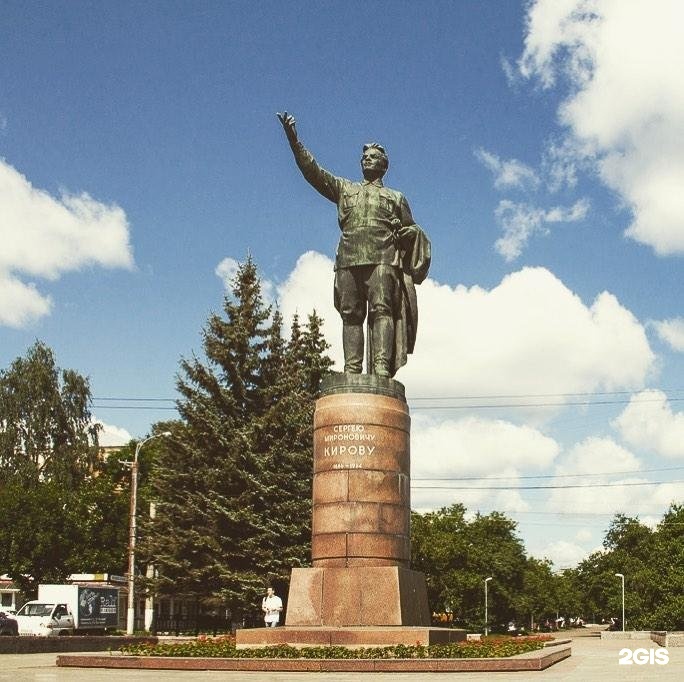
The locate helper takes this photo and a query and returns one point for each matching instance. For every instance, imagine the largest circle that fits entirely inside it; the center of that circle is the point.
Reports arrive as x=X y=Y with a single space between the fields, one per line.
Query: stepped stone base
x=360 y=590
x=346 y=636
x=357 y=596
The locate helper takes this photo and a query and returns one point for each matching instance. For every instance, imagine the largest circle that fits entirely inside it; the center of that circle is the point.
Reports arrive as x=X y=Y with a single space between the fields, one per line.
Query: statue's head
x=374 y=161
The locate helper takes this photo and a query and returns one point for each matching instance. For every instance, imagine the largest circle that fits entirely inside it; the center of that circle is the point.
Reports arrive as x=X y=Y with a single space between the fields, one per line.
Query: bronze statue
x=381 y=255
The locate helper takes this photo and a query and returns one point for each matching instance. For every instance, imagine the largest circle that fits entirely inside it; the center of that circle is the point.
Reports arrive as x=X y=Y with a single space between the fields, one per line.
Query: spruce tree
x=232 y=487
x=284 y=436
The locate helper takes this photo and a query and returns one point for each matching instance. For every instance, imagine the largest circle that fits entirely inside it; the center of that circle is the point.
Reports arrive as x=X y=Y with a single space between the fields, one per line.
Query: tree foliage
x=232 y=486
x=60 y=511
x=652 y=561
x=457 y=554
x=46 y=430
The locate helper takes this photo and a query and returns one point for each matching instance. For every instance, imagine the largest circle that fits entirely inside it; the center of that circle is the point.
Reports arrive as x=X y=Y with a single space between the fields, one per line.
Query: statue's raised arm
x=381 y=254
x=288 y=121
x=320 y=179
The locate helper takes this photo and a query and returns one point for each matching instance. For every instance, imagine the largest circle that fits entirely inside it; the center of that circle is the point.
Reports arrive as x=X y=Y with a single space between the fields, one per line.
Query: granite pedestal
x=360 y=589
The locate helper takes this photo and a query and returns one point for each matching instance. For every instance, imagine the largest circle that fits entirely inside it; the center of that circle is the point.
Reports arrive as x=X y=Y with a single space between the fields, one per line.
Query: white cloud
x=625 y=106
x=648 y=422
x=561 y=163
x=310 y=287
x=510 y=71
x=111 y=435
x=672 y=332
x=226 y=271
x=553 y=27
x=562 y=553
x=528 y=335
x=43 y=236
x=21 y=304
x=508 y=174
x=475 y=446
x=652 y=520
x=603 y=462
x=520 y=221
x=472 y=447
x=561 y=214
x=663 y=496
x=595 y=456
x=583 y=535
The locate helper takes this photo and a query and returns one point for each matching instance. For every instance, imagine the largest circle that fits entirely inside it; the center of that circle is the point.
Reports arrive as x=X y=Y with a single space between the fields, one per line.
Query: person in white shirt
x=271 y=605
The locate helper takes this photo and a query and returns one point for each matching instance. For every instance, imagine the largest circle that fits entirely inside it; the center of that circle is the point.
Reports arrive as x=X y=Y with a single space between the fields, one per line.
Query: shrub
x=224 y=647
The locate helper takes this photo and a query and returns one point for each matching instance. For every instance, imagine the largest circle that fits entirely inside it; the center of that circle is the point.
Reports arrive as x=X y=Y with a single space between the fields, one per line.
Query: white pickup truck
x=43 y=619
x=66 y=609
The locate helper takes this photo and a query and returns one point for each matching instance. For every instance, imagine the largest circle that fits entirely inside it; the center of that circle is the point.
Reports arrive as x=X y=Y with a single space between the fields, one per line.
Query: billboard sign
x=98 y=607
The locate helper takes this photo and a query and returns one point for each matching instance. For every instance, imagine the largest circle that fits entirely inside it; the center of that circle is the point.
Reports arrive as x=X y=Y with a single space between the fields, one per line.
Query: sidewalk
x=592 y=659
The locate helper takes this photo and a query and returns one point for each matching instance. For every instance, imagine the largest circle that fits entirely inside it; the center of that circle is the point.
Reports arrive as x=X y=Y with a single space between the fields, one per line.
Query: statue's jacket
x=365 y=211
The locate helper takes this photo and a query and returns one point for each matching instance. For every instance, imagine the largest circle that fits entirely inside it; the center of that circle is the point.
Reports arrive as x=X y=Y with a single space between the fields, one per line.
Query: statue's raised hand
x=288 y=121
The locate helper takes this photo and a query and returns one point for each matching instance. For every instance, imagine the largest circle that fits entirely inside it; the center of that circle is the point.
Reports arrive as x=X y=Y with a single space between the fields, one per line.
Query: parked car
x=8 y=625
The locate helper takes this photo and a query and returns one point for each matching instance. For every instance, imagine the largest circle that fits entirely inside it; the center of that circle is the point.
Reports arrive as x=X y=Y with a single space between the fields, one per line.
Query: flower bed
x=224 y=647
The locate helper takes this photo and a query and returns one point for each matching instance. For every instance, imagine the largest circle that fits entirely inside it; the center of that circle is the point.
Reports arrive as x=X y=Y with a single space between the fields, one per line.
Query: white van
x=69 y=609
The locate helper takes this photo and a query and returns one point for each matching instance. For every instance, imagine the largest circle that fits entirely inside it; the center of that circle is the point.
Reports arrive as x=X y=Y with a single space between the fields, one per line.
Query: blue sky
x=538 y=143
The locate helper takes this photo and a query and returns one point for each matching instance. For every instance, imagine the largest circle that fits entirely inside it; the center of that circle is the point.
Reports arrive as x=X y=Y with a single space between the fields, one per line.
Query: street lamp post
x=622 y=577
x=130 y=616
x=486 y=615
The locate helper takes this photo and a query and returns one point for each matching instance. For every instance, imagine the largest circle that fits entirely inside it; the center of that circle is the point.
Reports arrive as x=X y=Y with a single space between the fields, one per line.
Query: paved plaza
x=592 y=659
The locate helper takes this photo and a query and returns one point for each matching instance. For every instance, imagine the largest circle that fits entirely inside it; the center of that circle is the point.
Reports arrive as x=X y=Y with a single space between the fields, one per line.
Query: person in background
x=271 y=605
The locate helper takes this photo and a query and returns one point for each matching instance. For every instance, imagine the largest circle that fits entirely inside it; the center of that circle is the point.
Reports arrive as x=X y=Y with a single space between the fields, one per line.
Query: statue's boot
x=352 y=344
x=383 y=342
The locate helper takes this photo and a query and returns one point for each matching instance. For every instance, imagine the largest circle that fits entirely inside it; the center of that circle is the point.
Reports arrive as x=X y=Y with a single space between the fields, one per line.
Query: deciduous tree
x=61 y=505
